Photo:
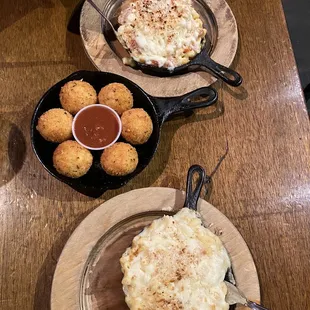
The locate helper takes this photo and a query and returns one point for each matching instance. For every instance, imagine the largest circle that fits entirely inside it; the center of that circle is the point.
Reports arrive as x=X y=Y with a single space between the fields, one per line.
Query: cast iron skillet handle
x=228 y=75
x=192 y=195
x=171 y=105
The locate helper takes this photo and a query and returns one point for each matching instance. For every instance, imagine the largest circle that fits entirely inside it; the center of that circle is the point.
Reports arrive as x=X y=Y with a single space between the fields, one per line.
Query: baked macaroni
x=162 y=33
x=176 y=263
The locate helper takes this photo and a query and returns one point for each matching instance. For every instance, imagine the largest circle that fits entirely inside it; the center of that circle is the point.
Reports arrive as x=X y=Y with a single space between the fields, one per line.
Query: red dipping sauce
x=96 y=127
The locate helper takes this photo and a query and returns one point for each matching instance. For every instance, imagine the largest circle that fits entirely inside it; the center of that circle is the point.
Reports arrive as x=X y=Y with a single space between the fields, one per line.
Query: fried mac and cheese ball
x=117 y=96
x=71 y=159
x=76 y=95
x=55 y=125
x=137 y=126
x=119 y=159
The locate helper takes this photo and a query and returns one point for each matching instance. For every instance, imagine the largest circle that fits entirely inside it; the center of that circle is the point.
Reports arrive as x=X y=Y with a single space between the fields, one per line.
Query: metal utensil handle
x=192 y=195
x=255 y=306
x=94 y=5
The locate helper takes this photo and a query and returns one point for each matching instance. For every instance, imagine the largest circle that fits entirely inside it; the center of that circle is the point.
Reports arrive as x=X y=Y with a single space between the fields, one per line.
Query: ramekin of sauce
x=96 y=127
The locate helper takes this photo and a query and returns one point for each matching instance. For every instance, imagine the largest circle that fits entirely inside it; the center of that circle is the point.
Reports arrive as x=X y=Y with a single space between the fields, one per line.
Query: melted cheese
x=176 y=263
x=163 y=33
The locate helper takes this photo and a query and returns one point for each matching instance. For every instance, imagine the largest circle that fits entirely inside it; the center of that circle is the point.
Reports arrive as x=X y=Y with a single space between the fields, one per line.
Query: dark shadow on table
x=16 y=148
x=239 y=93
x=73 y=24
x=74 y=44
x=77 y=54
x=307 y=97
x=13 y=150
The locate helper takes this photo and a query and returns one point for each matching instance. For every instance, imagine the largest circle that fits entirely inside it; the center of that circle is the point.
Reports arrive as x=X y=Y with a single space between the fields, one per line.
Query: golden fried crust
x=76 y=95
x=137 y=126
x=71 y=159
x=119 y=159
x=117 y=96
x=55 y=125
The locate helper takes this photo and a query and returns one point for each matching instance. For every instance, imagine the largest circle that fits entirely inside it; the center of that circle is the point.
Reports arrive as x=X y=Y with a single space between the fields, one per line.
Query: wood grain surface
x=262 y=186
x=100 y=275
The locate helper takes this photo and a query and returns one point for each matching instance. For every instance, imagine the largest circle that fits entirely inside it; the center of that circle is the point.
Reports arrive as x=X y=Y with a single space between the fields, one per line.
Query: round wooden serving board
x=104 y=58
x=106 y=287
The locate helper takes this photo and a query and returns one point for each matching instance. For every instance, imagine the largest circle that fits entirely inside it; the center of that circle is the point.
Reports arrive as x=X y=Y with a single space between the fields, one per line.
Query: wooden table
x=262 y=186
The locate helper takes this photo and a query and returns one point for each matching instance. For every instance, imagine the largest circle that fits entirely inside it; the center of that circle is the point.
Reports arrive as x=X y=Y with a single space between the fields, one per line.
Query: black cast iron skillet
x=96 y=181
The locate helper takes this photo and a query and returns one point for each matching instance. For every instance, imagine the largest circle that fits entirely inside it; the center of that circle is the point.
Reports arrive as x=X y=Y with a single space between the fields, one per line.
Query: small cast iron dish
x=96 y=181
x=201 y=62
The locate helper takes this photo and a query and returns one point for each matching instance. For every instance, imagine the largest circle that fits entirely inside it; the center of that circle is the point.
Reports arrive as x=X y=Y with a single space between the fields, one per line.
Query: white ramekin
x=103 y=107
